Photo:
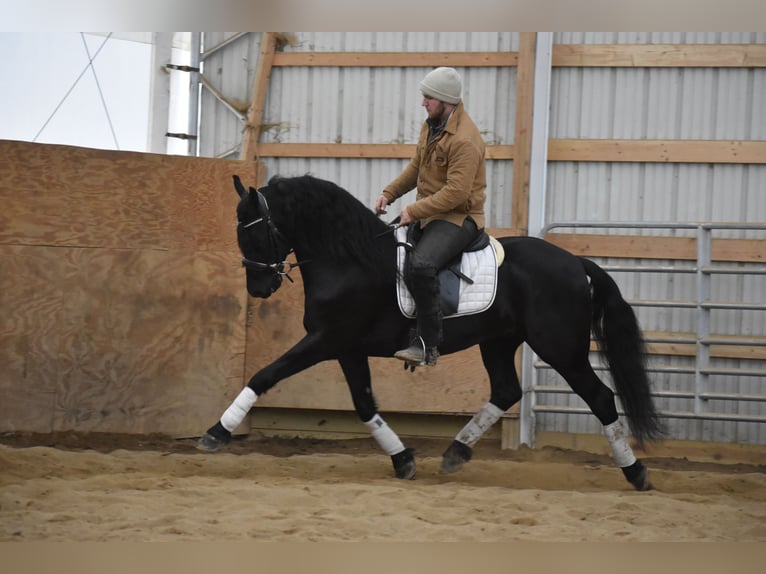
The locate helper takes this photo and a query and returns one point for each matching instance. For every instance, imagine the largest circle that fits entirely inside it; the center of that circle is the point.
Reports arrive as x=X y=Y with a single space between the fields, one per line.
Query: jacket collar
x=450 y=126
x=454 y=118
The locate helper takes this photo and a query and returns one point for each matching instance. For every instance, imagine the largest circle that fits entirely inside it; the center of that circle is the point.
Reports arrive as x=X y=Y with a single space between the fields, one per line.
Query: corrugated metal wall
x=675 y=104
x=382 y=105
x=656 y=103
x=358 y=105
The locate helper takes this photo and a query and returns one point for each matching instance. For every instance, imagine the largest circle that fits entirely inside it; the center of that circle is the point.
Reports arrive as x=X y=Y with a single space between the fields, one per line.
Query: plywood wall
x=122 y=304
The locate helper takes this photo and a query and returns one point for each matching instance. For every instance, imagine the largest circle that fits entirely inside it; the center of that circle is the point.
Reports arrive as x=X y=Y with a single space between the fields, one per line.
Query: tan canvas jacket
x=448 y=172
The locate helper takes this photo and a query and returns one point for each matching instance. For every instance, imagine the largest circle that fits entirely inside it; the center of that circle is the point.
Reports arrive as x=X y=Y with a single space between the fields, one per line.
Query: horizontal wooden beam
x=671 y=348
x=740 y=352
x=336 y=424
x=654 y=247
x=660 y=55
x=659 y=151
x=564 y=55
x=370 y=151
x=396 y=59
x=642 y=151
x=333 y=150
x=716 y=351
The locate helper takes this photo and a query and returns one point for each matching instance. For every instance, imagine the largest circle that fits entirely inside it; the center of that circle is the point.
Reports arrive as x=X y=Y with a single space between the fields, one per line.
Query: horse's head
x=263 y=247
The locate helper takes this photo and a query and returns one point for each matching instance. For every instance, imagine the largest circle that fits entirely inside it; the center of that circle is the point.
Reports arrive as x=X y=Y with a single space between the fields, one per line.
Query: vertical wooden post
x=525 y=92
x=258 y=103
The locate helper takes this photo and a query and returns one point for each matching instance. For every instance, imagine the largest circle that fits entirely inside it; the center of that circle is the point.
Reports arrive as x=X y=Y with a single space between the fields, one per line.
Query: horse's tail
x=622 y=345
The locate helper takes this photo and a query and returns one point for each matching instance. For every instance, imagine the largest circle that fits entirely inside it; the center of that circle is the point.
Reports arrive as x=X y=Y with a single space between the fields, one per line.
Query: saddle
x=468 y=284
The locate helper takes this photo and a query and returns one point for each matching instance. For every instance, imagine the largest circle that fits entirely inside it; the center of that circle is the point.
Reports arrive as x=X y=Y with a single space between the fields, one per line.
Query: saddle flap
x=479 y=243
x=468 y=285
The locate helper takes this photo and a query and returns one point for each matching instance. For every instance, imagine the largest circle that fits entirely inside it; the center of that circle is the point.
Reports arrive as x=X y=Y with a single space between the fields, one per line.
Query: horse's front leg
x=356 y=369
x=307 y=352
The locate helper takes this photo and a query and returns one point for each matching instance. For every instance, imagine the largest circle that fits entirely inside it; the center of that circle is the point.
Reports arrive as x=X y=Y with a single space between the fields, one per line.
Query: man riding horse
x=449 y=172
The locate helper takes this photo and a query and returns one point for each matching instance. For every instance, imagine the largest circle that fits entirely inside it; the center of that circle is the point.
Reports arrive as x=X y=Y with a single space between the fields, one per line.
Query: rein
x=276 y=268
x=391 y=227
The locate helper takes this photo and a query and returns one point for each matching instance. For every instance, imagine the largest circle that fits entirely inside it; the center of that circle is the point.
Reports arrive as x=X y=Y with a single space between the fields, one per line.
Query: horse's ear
x=263 y=206
x=241 y=191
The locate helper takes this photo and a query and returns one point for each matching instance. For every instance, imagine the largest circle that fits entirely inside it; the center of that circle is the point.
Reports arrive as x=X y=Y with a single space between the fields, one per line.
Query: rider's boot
x=423 y=350
x=417 y=354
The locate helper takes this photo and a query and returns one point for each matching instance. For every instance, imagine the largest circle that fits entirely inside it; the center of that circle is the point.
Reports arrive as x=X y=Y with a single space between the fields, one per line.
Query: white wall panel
x=230 y=70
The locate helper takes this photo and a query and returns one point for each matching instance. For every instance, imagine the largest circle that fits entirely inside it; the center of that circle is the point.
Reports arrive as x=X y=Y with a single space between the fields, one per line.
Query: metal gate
x=701 y=395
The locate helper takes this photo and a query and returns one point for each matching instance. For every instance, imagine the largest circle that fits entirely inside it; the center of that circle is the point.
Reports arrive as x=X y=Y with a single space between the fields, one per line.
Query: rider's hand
x=380 y=205
x=404 y=217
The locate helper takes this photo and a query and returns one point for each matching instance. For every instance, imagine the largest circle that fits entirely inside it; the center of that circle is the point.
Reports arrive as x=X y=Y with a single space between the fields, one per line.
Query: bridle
x=278 y=268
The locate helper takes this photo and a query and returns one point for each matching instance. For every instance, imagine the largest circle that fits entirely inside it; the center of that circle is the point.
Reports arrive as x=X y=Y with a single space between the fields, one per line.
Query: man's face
x=434 y=107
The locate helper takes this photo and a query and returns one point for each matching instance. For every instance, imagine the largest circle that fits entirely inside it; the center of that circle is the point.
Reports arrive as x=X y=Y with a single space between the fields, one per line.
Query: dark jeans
x=438 y=244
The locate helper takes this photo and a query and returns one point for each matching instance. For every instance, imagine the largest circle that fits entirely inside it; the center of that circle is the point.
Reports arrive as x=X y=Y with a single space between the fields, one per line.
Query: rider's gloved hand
x=380 y=205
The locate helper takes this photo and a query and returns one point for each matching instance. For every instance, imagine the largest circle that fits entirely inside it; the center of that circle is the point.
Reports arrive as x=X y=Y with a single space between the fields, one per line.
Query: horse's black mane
x=322 y=218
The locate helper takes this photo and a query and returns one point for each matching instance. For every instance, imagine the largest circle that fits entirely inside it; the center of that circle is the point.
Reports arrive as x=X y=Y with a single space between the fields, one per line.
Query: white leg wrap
x=237 y=411
x=621 y=452
x=385 y=437
x=479 y=424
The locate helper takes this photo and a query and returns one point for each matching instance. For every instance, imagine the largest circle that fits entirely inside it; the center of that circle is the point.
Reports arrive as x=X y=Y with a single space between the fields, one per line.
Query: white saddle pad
x=480 y=266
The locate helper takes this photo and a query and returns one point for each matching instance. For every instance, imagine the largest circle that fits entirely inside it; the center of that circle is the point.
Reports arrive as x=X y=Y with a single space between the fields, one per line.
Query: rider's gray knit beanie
x=444 y=84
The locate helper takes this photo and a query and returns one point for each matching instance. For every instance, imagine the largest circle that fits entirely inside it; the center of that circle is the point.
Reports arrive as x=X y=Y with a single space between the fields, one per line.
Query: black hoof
x=455 y=456
x=214 y=439
x=637 y=475
x=404 y=464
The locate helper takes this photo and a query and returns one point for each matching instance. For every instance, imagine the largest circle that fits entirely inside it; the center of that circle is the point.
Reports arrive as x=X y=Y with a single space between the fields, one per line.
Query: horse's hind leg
x=356 y=369
x=600 y=399
x=498 y=357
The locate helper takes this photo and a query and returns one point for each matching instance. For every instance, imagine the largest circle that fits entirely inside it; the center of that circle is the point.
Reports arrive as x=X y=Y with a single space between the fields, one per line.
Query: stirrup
x=418 y=355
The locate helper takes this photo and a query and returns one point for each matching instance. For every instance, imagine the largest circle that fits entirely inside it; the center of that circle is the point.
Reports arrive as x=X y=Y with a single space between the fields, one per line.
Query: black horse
x=545 y=296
